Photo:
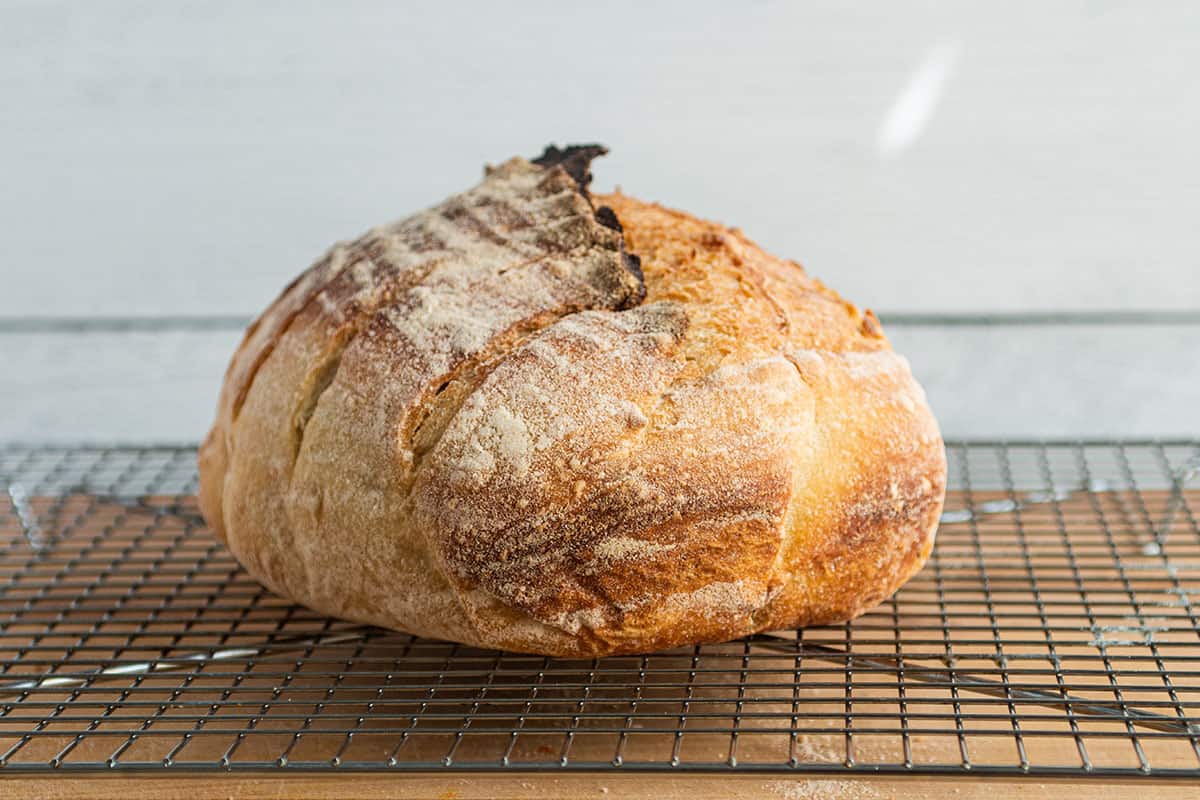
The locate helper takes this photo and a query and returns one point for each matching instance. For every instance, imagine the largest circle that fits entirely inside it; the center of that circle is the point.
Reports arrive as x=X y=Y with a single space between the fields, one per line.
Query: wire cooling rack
x=1054 y=631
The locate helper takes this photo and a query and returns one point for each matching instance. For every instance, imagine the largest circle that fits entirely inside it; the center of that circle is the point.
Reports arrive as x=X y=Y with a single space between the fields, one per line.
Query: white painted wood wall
x=189 y=158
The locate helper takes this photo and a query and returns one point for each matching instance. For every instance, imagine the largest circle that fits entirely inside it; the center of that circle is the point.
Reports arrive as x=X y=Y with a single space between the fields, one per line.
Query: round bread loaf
x=534 y=419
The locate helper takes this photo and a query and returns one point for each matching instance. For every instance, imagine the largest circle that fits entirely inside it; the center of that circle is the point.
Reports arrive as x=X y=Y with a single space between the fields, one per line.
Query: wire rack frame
x=1055 y=631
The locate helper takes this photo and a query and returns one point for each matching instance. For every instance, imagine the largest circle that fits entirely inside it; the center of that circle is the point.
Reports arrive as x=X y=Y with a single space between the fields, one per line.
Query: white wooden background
x=188 y=158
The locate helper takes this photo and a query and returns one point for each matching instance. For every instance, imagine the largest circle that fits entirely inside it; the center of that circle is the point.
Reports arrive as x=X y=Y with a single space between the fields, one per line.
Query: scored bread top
x=533 y=419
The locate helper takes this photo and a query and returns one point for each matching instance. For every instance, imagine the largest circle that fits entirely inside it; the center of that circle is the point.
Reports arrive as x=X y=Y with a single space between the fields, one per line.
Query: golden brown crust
x=463 y=425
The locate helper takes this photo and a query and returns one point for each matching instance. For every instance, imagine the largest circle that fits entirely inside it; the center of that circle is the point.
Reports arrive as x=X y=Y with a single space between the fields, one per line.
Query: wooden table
x=535 y=786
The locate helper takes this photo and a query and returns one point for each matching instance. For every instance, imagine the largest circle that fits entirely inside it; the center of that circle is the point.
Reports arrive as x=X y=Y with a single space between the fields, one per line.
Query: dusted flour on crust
x=534 y=419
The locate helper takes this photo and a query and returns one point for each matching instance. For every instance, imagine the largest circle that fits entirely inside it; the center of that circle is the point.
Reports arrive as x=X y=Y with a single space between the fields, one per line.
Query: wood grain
x=166 y=159
x=534 y=786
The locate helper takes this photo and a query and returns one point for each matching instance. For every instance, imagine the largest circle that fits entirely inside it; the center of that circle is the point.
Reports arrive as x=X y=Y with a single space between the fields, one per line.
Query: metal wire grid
x=1054 y=631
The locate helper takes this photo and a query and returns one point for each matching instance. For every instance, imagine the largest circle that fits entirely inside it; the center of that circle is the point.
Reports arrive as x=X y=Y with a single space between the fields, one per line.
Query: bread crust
x=515 y=421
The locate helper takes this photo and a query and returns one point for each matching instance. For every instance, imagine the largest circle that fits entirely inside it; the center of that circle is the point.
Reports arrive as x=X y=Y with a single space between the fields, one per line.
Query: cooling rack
x=1054 y=632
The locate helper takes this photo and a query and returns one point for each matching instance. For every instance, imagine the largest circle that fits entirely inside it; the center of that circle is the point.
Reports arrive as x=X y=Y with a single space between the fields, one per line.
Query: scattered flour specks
x=513 y=442
x=722 y=597
x=868 y=365
x=824 y=790
x=625 y=547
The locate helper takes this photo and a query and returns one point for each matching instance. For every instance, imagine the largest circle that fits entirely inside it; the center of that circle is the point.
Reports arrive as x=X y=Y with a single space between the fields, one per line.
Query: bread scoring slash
x=535 y=419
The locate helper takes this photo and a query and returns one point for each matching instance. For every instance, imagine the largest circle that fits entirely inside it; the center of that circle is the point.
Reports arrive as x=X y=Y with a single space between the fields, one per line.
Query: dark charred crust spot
x=576 y=159
x=634 y=265
x=608 y=218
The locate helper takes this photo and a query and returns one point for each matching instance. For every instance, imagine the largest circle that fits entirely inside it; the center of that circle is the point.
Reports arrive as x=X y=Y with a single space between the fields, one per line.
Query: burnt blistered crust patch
x=576 y=161
x=634 y=264
x=608 y=218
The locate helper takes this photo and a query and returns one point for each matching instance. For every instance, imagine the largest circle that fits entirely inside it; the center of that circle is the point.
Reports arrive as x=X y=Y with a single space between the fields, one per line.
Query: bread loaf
x=534 y=419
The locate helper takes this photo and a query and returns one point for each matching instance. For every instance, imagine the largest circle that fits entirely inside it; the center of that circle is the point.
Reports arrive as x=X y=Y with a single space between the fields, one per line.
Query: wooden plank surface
x=540 y=786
